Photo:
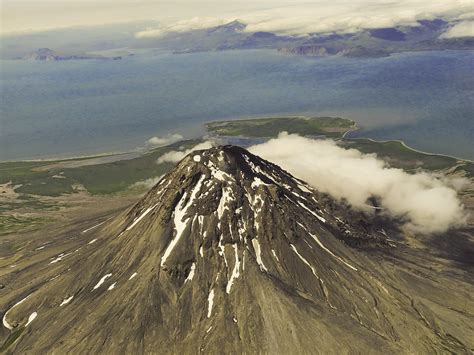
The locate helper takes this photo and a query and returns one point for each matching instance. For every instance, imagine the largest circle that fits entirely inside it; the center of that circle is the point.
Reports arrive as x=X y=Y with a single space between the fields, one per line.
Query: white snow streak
x=274 y=254
x=302 y=187
x=257 y=182
x=66 y=301
x=133 y=275
x=210 y=303
x=191 y=273
x=313 y=213
x=235 y=271
x=97 y=225
x=148 y=210
x=227 y=196
x=31 y=318
x=179 y=224
x=304 y=260
x=256 y=247
x=101 y=281
x=5 y=323
x=59 y=258
x=111 y=287
x=316 y=239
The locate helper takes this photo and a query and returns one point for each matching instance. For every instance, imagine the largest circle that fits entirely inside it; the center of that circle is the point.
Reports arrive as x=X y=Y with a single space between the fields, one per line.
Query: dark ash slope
x=231 y=254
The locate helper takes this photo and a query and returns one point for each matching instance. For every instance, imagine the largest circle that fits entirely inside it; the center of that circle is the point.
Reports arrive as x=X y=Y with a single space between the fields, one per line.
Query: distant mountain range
x=427 y=35
x=367 y=43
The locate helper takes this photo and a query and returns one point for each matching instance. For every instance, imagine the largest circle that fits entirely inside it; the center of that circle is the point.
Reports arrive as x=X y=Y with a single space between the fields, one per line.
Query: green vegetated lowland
x=333 y=127
x=394 y=152
x=36 y=178
x=54 y=178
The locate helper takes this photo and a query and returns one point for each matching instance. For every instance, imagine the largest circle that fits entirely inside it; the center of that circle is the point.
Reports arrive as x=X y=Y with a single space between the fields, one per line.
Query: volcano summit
x=229 y=253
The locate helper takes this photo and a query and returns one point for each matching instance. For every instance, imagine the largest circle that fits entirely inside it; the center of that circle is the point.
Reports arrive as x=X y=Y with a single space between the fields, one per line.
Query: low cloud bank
x=168 y=139
x=340 y=16
x=175 y=156
x=462 y=29
x=428 y=204
x=148 y=183
x=195 y=23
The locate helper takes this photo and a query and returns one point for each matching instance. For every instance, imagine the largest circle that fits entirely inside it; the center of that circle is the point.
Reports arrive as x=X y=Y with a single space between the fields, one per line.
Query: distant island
x=49 y=55
x=425 y=35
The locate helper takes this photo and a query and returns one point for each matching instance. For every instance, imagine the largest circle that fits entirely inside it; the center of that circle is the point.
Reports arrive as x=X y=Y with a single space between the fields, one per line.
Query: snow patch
x=101 y=281
x=227 y=196
x=303 y=188
x=304 y=260
x=179 y=214
x=313 y=213
x=274 y=254
x=97 y=225
x=258 y=254
x=5 y=323
x=133 y=275
x=210 y=303
x=66 y=301
x=235 y=271
x=111 y=287
x=148 y=210
x=191 y=273
x=59 y=258
x=197 y=158
x=257 y=182
x=31 y=318
x=316 y=239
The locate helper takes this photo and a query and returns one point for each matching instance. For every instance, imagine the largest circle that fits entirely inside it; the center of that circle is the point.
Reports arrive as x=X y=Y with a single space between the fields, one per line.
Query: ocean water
x=51 y=109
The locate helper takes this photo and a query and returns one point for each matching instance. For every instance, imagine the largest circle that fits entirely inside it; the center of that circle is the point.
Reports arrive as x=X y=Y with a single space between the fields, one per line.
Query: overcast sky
x=291 y=17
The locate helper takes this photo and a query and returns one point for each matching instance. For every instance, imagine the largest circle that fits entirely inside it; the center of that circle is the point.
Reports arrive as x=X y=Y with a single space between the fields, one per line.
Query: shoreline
x=413 y=149
x=142 y=150
x=403 y=143
x=75 y=157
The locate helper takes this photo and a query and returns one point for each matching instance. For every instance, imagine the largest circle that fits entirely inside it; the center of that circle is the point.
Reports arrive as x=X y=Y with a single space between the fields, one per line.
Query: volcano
x=229 y=253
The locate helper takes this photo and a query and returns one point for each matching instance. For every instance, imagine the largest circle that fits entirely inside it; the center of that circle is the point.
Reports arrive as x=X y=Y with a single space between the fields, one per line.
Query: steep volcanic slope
x=228 y=254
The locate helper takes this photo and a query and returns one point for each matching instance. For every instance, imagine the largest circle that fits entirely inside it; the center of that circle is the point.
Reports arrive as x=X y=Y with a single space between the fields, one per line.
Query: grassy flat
x=36 y=178
x=333 y=127
x=99 y=176
x=399 y=155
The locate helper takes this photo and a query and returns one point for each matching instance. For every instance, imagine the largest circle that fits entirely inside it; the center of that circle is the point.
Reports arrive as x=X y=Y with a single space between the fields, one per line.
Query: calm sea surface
x=85 y=107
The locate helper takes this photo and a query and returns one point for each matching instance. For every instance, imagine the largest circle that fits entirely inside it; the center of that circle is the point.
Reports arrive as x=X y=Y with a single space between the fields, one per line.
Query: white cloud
x=429 y=204
x=195 y=23
x=462 y=29
x=147 y=184
x=169 y=139
x=324 y=16
x=175 y=156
